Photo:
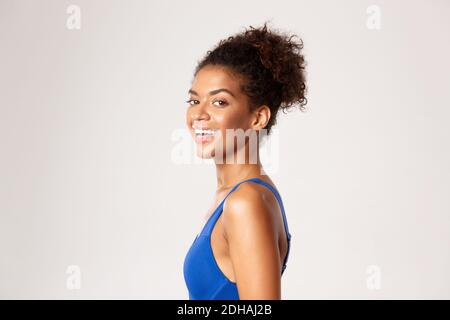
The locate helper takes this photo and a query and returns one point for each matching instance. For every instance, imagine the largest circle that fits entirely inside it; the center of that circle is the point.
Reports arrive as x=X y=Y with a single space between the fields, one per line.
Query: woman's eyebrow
x=213 y=92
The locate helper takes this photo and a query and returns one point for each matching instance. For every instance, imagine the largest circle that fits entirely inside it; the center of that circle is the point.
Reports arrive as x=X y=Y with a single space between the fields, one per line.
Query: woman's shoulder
x=250 y=203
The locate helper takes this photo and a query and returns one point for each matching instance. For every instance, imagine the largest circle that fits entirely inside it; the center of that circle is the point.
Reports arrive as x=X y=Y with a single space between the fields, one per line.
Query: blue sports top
x=204 y=279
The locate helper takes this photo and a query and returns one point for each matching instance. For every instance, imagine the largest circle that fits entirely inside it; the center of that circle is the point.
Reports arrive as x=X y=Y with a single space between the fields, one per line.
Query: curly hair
x=270 y=64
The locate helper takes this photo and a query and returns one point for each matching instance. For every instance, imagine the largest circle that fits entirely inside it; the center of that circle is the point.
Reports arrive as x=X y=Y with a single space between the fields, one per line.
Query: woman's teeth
x=204 y=135
x=204 y=132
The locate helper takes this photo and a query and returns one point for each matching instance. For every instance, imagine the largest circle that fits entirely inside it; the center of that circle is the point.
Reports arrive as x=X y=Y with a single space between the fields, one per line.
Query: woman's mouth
x=204 y=135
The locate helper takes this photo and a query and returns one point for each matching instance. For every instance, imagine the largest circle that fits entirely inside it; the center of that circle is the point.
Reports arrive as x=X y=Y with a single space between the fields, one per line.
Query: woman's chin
x=205 y=152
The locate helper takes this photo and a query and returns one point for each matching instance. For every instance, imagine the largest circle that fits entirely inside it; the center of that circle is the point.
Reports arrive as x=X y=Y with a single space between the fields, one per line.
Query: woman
x=242 y=250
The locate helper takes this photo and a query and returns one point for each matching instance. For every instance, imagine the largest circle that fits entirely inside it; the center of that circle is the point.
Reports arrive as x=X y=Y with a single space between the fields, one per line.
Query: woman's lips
x=204 y=136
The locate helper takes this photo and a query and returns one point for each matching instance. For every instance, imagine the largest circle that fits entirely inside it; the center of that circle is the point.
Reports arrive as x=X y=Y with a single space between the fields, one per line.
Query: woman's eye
x=221 y=104
x=190 y=101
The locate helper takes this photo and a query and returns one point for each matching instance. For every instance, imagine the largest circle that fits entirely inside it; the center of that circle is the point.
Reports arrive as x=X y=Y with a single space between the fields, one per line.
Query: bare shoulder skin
x=253 y=229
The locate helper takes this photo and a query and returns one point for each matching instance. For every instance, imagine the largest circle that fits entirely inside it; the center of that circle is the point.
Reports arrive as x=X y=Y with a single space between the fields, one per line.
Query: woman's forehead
x=210 y=78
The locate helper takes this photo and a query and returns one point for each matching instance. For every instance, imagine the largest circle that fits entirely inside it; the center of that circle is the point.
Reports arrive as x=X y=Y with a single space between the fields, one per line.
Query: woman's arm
x=249 y=226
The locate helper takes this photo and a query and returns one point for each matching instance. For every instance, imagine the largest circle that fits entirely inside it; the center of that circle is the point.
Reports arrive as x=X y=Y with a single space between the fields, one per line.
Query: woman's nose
x=199 y=112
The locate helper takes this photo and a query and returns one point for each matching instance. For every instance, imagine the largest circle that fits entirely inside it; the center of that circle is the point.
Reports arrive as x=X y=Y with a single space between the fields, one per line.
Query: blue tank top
x=204 y=279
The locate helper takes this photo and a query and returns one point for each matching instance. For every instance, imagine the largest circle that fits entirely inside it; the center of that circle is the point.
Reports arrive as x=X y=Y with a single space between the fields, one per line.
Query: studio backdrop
x=100 y=194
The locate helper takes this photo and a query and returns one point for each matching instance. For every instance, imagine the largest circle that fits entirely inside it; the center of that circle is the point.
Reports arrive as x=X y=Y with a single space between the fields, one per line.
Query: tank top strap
x=280 y=202
x=286 y=227
x=216 y=213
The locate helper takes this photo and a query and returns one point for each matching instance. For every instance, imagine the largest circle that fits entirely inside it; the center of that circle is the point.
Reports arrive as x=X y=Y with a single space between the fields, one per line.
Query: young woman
x=240 y=86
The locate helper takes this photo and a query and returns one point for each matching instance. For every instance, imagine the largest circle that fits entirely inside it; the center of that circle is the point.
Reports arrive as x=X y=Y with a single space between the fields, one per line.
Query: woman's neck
x=248 y=166
x=229 y=175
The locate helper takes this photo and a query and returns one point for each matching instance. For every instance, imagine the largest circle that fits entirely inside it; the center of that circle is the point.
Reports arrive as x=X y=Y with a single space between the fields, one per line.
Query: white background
x=86 y=122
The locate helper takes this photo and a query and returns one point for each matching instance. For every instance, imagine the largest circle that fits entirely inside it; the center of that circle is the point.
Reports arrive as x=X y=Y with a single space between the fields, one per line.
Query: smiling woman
x=240 y=86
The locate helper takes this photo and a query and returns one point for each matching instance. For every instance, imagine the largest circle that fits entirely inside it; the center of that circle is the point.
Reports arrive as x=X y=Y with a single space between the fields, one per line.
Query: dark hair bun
x=281 y=55
x=272 y=64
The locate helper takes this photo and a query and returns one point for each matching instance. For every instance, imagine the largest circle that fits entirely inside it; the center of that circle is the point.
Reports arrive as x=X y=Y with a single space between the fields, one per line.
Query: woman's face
x=216 y=103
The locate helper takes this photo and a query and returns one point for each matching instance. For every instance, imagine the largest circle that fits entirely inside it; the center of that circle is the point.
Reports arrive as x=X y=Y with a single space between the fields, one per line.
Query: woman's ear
x=261 y=117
